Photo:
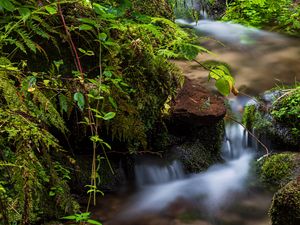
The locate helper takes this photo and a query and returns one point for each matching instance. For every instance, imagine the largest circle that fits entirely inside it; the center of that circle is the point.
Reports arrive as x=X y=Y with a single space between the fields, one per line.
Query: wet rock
x=196 y=106
x=285 y=209
x=197 y=126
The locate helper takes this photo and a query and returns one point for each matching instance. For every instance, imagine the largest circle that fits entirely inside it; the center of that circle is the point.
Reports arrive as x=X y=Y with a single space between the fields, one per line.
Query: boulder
x=285 y=209
x=195 y=106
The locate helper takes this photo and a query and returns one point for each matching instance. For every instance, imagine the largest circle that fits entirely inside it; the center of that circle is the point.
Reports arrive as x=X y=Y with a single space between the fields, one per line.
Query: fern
x=26 y=38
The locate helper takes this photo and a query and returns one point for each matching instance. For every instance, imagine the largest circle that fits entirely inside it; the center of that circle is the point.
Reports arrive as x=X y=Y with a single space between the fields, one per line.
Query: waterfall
x=162 y=183
x=150 y=173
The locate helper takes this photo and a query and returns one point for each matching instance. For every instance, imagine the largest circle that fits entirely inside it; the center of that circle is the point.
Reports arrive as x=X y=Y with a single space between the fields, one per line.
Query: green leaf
x=94 y=222
x=102 y=36
x=112 y=102
x=88 y=21
x=79 y=98
x=25 y=13
x=51 y=9
x=6 y=4
x=72 y=217
x=85 y=27
x=99 y=9
x=86 y=52
x=109 y=116
x=223 y=86
x=63 y=102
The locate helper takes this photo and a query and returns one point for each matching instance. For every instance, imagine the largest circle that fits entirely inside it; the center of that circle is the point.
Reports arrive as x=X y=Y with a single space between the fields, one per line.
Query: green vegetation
x=280 y=121
x=80 y=71
x=277 y=170
x=280 y=15
x=287 y=110
x=285 y=207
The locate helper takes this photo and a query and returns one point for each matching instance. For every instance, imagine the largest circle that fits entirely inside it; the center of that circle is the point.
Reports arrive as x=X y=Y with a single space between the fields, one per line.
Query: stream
x=225 y=194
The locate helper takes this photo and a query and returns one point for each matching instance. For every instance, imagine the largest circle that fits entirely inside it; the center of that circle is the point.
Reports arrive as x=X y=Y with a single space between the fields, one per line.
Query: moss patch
x=278 y=169
x=285 y=209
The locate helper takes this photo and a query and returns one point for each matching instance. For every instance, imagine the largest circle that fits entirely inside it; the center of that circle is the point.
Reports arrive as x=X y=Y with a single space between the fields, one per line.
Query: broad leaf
x=109 y=116
x=85 y=27
x=6 y=4
x=79 y=98
x=223 y=86
x=51 y=9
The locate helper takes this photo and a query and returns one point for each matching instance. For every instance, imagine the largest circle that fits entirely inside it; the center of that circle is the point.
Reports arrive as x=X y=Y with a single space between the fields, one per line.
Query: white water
x=228 y=32
x=160 y=186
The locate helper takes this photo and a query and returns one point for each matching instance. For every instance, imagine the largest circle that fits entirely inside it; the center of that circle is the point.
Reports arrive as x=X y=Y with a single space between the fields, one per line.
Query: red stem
x=72 y=45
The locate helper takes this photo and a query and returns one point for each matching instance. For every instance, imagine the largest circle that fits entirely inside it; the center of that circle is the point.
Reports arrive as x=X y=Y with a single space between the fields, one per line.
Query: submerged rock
x=285 y=209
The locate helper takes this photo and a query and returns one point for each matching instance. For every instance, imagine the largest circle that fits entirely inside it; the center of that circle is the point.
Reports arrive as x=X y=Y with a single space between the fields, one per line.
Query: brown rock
x=195 y=105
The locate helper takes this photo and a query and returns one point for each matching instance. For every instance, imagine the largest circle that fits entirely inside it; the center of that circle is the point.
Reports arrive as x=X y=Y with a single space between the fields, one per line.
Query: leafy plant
x=82 y=218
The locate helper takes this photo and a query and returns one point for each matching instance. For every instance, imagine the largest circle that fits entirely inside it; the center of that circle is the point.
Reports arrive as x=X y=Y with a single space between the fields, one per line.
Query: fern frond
x=26 y=39
x=51 y=114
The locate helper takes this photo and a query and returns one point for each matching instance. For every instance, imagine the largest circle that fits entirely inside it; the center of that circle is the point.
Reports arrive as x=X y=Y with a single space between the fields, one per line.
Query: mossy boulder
x=275 y=118
x=285 y=209
x=278 y=169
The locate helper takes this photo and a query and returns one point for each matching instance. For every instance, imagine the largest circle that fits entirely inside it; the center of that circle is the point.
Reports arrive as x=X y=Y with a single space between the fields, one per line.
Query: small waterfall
x=162 y=184
x=151 y=173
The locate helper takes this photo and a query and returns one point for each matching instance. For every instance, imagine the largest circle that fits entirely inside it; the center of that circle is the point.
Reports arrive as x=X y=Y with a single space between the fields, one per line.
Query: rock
x=285 y=209
x=274 y=119
x=197 y=124
x=277 y=170
x=196 y=106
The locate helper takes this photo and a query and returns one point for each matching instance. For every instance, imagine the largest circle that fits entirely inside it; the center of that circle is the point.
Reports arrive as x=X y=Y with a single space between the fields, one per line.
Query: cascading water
x=148 y=173
x=161 y=185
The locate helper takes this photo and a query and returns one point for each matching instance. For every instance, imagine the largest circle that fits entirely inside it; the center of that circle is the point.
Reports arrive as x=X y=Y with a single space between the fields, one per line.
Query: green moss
x=249 y=116
x=287 y=112
x=278 y=169
x=285 y=208
x=203 y=148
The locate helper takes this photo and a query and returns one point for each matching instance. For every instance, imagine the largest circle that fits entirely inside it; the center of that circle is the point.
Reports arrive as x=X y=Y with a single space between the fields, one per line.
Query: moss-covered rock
x=276 y=116
x=200 y=147
x=285 y=209
x=278 y=169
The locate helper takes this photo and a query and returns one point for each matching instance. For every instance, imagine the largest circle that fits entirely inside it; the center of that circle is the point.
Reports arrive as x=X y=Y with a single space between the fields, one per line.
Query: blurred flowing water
x=223 y=194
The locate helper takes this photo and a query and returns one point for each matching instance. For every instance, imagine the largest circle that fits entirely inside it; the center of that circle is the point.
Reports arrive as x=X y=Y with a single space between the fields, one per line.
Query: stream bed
x=227 y=193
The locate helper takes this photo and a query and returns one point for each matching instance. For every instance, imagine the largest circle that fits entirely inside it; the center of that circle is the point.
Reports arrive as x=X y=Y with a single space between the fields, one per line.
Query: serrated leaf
x=109 y=116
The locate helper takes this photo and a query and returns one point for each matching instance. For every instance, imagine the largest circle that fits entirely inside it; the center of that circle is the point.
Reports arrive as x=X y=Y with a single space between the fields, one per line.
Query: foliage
x=29 y=170
x=82 y=218
x=278 y=169
x=285 y=208
x=286 y=110
x=280 y=15
x=72 y=68
x=278 y=119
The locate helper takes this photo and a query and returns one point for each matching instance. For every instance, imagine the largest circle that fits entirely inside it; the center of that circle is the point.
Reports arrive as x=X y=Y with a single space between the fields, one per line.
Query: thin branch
x=262 y=144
